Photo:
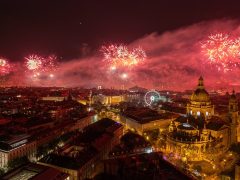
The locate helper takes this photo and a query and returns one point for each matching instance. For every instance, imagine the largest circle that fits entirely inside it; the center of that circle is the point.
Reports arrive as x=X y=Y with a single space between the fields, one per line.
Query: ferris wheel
x=151 y=97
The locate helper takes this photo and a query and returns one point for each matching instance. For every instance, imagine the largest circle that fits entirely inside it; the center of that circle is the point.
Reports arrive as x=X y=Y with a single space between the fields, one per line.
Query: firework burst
x=37 y=63
x=51 y=63
x=222 y=51
x=120 y=56
x=34 y=62
x=5 y=67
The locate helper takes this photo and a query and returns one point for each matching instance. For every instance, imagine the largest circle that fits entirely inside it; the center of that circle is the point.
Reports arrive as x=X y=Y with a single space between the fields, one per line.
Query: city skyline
x=119 y=90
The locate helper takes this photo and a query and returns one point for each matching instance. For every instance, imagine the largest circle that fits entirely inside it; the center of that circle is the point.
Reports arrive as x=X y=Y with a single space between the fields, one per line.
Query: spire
x=204 y=126
x=233 y=96
x=200 y=83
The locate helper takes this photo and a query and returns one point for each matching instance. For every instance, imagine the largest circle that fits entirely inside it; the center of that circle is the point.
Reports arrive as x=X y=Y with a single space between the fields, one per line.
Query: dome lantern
x=200 y=94
x=200 y=83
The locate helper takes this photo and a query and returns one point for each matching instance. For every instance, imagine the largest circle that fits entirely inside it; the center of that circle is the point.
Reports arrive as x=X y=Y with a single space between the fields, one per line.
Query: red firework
x=37 y=63
x=50 y=63
x=121 y=56
x=34 y=62
x=222 y=51
x=5 y=67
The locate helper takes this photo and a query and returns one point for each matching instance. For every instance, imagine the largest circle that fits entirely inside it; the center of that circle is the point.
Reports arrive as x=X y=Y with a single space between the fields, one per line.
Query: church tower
x=233 y=113
x=90 y=98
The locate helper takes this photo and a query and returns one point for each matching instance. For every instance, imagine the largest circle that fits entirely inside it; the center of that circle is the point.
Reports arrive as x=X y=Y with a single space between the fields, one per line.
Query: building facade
x=17 y=147
x=108 y=99
x=145 y=119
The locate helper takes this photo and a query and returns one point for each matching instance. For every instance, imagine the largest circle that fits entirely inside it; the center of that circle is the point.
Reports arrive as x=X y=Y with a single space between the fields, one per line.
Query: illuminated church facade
x=201 y=134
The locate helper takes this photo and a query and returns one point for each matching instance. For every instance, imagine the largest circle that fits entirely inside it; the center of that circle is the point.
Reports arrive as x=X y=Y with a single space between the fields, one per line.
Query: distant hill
x=137 y=89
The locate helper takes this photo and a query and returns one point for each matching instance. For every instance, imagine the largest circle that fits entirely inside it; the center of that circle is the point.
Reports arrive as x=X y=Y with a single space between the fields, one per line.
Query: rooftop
x=144 y=166
x=215 y=123
x=196 y=123
x=34 y=172
x=74 y=162
x=145 y=115
x=9 y=142
x=85 y=146
x=186 y=126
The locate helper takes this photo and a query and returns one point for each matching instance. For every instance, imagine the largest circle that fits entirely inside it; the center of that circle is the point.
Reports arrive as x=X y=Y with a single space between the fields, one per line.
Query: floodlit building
x=53 y=98
x=16 y=147
x=201 y=134
x=144 y=119
x=108 y=99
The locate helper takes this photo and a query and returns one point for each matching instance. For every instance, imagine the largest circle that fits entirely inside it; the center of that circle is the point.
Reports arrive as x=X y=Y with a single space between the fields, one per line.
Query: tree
x=1 y=171
x=17 y=162
x=98 y=106
x=198 y=168
x=235 y=148
x=42 y=151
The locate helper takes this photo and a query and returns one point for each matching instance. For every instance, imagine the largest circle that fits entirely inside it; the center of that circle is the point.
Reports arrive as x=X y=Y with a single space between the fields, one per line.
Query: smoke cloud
x=174 y=62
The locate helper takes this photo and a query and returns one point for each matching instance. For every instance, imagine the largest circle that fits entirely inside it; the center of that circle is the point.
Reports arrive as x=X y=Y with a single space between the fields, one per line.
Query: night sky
x=171 y=32
x=65 y=28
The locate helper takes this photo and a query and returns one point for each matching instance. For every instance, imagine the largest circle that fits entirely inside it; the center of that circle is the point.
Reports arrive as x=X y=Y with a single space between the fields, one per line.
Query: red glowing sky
x=174 y=62
x=169 y=31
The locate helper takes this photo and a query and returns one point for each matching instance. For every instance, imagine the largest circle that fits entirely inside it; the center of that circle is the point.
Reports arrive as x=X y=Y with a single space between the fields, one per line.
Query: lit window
x=206 y=113
x=198 y=113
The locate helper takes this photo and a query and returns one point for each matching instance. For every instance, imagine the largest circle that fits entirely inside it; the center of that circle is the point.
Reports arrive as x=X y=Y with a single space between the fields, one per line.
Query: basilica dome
x=200 y=95
x=200 y=103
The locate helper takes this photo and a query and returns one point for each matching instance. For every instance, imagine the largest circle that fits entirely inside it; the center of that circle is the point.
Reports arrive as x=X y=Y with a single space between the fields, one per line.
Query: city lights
x=120 y=90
